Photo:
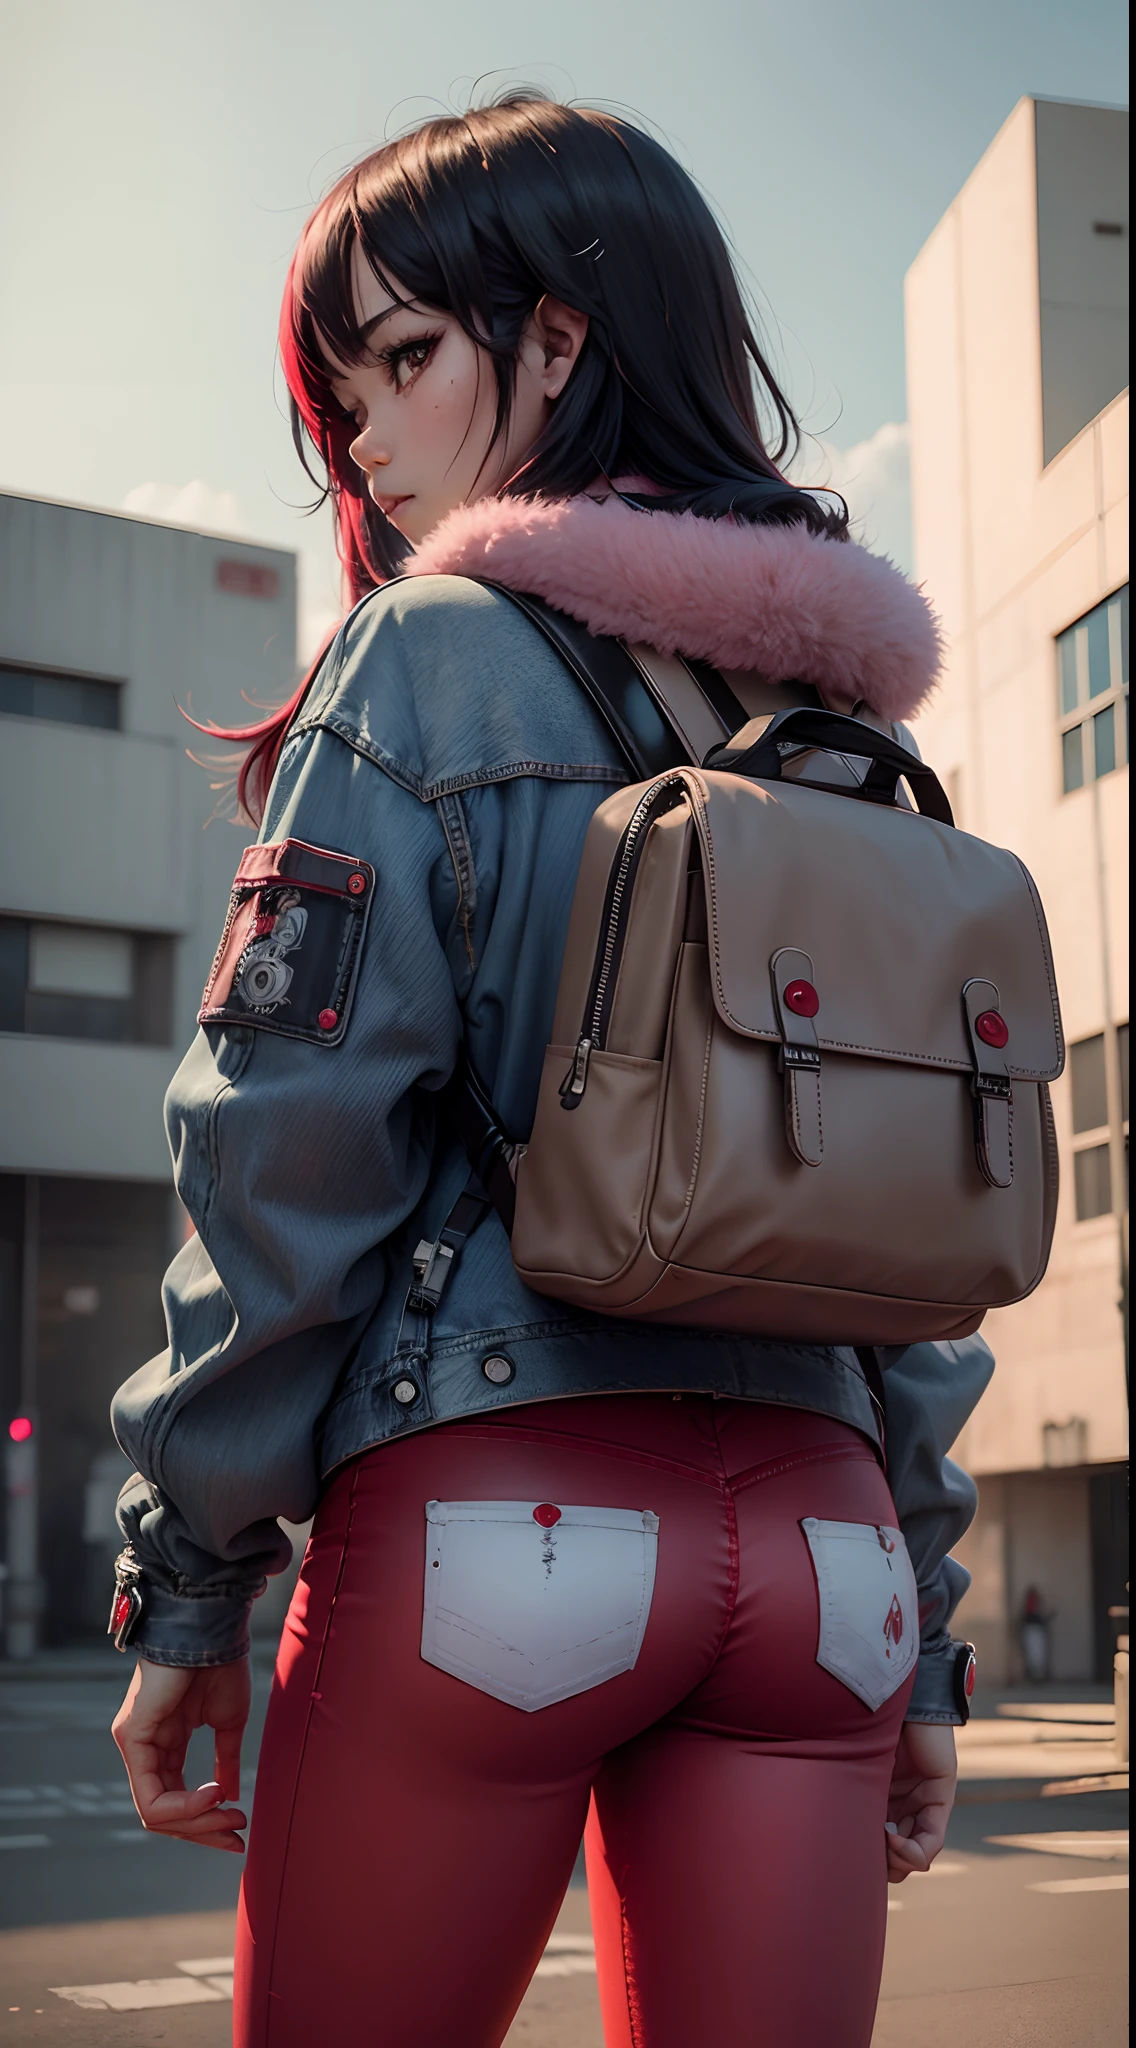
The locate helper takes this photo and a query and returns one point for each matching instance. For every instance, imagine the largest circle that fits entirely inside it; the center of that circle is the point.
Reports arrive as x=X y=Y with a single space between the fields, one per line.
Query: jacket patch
x=289 y=954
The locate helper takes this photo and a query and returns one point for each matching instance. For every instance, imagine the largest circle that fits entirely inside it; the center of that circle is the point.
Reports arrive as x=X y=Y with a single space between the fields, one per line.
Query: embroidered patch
x=293 y=937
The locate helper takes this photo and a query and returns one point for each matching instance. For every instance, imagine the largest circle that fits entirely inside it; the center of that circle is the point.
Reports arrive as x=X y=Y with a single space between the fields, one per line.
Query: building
x=113 y=889
x=1017 y=339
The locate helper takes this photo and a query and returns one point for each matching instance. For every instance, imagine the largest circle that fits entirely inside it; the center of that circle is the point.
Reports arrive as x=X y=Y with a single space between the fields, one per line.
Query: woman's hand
x=152 y=1729
x=921 y=1797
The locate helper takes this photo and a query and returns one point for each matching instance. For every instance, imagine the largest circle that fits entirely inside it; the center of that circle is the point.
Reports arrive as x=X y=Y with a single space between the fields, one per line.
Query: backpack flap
x=896 y=914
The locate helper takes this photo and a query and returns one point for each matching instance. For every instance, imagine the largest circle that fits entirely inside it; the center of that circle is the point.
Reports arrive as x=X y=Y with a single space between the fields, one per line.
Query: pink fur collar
x=777 y=599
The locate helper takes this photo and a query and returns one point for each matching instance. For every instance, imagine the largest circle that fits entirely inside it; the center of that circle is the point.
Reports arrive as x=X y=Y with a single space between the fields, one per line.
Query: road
x=1016 y=1940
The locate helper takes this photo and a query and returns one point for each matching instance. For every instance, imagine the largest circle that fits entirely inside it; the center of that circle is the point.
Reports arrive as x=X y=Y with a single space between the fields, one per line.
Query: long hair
x=481 y=215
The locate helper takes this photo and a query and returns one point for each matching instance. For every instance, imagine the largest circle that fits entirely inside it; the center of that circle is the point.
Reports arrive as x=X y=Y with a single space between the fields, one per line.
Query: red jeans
x=414 y=1833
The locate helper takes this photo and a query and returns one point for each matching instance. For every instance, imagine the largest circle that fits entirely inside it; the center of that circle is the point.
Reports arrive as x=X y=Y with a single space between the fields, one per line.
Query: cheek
x=461 y=397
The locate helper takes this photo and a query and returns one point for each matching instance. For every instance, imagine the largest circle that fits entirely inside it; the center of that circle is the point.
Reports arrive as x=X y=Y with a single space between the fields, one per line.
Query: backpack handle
x=873 y=760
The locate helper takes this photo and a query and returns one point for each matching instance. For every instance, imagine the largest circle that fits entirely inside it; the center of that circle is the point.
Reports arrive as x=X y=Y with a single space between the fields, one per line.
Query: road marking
x=1107 y=1845
x=141 y=1997
x=25 y=1841
x=1083 y=1884
x=207 y=1980
x=1056 y=1710
x=52 y=1802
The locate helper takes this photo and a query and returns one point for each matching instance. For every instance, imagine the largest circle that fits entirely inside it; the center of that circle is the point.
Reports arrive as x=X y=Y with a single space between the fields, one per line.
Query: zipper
x=620 y=884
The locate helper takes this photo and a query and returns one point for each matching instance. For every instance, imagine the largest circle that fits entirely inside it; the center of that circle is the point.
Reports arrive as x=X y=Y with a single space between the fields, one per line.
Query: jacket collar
x=776 y=599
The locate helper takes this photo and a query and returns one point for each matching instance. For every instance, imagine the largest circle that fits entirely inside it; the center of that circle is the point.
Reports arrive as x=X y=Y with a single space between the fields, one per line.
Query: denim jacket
x=445 y=746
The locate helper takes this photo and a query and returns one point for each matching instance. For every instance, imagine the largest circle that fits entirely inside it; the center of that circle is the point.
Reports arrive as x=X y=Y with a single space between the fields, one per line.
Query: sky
x=157 y=162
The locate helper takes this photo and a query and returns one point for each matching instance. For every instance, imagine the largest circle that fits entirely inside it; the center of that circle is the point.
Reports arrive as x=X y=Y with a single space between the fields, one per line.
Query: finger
x=905 y=1859
x=178 y=1805
x=231 y=1842
x=221 y=1820
x=227 y=1760
x=160 y=1750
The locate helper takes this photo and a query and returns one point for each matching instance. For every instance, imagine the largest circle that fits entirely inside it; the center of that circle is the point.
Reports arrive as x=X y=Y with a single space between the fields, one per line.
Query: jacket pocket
x=869 y=1606
x=533 y=1601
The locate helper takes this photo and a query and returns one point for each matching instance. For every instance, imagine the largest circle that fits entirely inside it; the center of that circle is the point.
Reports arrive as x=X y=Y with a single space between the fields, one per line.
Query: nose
x=366 y=457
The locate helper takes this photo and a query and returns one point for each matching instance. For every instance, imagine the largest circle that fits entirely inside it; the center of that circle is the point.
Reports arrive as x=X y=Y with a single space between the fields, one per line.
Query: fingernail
x=891 y=1827
x=211 y=1785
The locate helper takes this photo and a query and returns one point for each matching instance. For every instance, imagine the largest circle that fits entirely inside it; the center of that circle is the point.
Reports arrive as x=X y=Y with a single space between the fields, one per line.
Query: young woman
x=517 y=351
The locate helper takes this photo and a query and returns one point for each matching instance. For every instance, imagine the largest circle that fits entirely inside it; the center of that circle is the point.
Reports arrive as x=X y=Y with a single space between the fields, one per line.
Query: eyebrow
x=369 y=326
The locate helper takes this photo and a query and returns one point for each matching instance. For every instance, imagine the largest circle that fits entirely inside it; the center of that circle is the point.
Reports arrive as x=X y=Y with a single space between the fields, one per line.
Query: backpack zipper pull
x=575 y=1080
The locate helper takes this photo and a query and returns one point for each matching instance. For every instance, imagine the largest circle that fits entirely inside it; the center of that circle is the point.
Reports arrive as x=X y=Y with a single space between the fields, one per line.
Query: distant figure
x=1033 y=1634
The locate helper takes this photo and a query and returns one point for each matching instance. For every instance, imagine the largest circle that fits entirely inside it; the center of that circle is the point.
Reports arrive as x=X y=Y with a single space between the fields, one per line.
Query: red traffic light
x=20 y=1429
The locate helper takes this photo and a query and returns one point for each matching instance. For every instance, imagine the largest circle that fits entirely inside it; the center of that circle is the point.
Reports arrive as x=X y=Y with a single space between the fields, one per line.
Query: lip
x=390 y=505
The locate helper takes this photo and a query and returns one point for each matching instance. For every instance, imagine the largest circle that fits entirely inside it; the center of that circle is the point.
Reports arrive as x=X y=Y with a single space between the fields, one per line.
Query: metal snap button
x=498 y=1369
x=404 y=1392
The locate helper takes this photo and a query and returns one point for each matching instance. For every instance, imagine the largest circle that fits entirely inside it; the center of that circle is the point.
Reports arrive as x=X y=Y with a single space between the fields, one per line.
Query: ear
x=559 y=332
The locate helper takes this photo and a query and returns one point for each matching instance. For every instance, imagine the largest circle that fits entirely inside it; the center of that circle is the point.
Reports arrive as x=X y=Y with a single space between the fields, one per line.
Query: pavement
x=111 y=1938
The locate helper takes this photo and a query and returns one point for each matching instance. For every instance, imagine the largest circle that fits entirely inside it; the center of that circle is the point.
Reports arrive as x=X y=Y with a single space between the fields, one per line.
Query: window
x=83 y=981
x=1092 y=1182
x=1092 y=1164
x=1092 y=693
x=69 y=699
x=1090 y=1095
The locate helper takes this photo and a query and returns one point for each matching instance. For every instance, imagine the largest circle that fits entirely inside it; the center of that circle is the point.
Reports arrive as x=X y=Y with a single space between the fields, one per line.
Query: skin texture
x=425 y=402
x=152 y=1728
x=425 y=405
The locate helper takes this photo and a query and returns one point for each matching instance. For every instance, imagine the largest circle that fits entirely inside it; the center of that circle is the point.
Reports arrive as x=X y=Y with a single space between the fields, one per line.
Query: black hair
x=481 y=215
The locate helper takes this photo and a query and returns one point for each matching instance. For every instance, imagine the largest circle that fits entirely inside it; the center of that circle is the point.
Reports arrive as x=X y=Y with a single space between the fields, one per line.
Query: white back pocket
x=534 y=1601
x=869 y=1607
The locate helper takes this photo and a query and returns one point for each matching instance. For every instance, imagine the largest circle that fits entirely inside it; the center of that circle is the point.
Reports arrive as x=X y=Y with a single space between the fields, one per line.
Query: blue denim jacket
x=445 y=744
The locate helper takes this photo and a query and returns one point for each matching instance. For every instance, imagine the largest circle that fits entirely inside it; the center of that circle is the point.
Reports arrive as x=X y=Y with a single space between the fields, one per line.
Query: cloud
x=194 y=504
x=874 y=476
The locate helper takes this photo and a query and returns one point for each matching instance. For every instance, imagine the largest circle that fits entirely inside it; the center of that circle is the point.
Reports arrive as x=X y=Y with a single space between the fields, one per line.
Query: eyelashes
x=402 y=362
x=410 y=356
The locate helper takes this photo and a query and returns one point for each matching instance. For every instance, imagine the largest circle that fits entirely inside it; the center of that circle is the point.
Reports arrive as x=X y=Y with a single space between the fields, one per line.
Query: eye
x=404 y=360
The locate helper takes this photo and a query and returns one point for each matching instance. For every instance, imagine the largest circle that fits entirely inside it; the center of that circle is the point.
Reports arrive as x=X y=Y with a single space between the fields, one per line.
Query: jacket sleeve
x=931 y=1389
x=296 y=1162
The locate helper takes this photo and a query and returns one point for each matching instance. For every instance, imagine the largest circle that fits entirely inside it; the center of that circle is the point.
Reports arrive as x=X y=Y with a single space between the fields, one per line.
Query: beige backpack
x=797 y=1079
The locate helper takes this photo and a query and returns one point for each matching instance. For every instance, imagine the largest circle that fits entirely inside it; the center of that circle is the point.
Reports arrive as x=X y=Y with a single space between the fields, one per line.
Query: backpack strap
x=638 y=717
x=650 y=740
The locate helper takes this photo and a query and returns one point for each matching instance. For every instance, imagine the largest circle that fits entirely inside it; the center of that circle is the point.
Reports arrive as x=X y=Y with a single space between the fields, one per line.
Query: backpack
x=797 y=1081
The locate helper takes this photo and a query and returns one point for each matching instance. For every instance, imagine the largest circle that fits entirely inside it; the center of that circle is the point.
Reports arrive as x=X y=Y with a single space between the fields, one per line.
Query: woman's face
x=425 y=402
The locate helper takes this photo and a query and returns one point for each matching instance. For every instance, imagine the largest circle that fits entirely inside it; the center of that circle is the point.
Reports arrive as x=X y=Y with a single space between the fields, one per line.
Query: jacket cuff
x=192 y=1626
x=934 y=1695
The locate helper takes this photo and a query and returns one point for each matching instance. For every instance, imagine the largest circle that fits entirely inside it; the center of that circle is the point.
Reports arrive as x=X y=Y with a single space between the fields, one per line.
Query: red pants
x=414 y=1833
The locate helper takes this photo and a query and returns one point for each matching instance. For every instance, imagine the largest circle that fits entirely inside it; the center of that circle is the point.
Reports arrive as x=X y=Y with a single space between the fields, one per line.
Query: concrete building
x=113 y=889
x=1017 y=338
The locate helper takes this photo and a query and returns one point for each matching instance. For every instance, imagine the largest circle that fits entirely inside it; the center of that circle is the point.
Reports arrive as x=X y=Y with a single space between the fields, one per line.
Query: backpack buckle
x=795 y=1004
x=432 y=1264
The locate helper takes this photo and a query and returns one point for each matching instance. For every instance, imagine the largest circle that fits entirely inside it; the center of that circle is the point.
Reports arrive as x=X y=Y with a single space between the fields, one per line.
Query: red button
x=328 y=1019
x=546 y=1515
x=356 y=884
x=992 y=1028
x=802 y=998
